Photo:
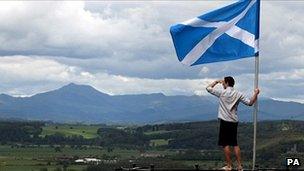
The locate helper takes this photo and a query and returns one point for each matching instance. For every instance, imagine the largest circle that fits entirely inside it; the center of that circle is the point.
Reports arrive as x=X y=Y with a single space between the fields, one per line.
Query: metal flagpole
x=256 y=85
x=255 y=111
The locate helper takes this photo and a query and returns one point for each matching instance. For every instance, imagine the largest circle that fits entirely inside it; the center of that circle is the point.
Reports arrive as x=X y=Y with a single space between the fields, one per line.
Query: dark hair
x=229 y=80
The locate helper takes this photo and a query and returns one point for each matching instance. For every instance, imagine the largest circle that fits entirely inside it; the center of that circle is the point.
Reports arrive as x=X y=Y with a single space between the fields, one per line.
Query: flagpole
x=255 y=111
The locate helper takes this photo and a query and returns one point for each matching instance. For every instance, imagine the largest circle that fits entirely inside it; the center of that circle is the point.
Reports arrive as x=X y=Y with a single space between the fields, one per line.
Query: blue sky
x=126 y=48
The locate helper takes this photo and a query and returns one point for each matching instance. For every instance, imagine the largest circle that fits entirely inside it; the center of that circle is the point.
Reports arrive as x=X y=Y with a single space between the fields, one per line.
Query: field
x=156 y=132
x=166 y=145
x=87 y=131
x=41 y=157
x=158 y=142
x=35 y=158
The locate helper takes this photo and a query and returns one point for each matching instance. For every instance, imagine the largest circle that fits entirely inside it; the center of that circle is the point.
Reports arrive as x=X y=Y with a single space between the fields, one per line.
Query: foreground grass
x=44 y=157
x=45 y=153
x=38 y=158
x=42 y=168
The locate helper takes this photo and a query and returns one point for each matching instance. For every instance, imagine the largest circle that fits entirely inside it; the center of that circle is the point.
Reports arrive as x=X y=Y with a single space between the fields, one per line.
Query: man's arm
x=254 y=97
x=214 y=83
x=210 y=88
x=252 y=100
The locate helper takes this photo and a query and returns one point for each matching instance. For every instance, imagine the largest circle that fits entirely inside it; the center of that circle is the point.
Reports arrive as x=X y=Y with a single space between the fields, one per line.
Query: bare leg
x=237 y=152
x=227 y=155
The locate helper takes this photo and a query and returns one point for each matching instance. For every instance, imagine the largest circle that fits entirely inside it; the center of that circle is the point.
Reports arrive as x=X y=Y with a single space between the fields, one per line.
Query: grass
x=40 y=157
x=266 y=143
x=36 y=158
x=156 y=132
x=39 y=168
x=87 y=131
x=158 y=142
x=46 y=152
x=213 y=164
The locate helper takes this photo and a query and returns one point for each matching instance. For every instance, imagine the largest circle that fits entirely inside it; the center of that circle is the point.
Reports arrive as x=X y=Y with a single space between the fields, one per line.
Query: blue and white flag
x=228 y=33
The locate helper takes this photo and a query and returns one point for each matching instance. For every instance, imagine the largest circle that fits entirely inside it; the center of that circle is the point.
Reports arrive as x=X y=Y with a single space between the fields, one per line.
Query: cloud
x=44 y=45
x=134 y=34
x=67 y=29
x=27 y=75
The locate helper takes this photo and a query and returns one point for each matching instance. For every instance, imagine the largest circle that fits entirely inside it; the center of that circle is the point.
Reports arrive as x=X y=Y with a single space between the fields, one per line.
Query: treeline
x=20 y=131
x=118 y=137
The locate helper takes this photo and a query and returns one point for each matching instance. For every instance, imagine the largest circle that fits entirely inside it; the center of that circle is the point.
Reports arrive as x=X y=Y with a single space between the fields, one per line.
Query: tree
x=57 y=149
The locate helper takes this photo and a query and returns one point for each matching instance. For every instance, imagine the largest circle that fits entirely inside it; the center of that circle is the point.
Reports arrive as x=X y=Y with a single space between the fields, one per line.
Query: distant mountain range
x=82 y=103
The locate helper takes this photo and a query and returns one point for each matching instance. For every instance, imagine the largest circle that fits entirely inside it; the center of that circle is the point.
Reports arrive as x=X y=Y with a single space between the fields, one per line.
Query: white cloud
x=67 y=29
x=125 y=47
x=32 y=69
x=27 y=75
x=42 y=73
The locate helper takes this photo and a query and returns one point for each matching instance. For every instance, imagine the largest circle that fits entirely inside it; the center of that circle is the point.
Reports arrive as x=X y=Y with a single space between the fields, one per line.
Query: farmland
x=87 y=131
x=52 y=146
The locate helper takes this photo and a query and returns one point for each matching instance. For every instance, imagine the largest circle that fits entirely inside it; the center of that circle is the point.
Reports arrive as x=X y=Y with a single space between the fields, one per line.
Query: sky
x=124 y=47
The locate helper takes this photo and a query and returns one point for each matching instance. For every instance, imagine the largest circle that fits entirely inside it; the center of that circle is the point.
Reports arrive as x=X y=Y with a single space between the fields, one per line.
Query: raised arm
x=210 y=88
x=214 y=83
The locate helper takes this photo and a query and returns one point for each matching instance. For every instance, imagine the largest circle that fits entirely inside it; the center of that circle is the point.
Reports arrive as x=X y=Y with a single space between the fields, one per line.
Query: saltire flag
x=228 y=33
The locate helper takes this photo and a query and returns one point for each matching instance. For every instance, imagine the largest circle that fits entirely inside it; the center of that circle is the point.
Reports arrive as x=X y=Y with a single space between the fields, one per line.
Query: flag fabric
x=228 y=33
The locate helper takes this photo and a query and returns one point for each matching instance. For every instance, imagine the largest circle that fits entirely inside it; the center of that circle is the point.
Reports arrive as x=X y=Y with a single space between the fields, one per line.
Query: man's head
x=228 y=82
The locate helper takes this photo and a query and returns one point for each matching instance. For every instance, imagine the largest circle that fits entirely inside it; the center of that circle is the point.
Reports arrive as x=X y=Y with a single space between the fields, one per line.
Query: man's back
x=229 y=99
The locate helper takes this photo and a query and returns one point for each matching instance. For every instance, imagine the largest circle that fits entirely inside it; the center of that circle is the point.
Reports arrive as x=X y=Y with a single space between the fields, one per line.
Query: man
x=229 y=99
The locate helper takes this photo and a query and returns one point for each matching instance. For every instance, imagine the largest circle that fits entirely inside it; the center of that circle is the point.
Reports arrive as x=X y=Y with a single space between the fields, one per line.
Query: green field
x=158 y=142
x=87 y=131
x=39 y=157
x=26 y=147
x=36 y=158
x=156 y=132
x=44 y=153
x=43 y=157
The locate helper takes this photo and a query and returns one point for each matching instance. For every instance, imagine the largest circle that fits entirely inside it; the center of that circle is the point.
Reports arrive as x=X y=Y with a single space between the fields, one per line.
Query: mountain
x=82 y=103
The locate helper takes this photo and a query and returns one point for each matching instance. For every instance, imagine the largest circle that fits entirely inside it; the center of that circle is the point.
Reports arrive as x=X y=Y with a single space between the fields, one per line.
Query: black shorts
x=227 y=133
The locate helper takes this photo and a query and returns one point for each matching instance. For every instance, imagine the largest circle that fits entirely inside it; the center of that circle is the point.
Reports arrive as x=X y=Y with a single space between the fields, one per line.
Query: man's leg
x=237 y=152
x=227 y=155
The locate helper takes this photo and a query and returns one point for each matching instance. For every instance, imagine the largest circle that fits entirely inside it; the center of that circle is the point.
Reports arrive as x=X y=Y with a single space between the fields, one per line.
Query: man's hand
x=256 y=91
x=219 y=81
x=210 y=89
x=254 y=97
x=214 y=83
